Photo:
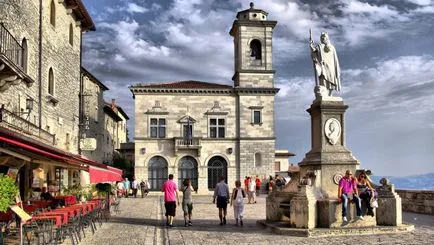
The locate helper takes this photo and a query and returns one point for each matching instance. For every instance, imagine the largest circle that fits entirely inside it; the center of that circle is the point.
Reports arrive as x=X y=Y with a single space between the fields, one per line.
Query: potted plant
x=8 y=192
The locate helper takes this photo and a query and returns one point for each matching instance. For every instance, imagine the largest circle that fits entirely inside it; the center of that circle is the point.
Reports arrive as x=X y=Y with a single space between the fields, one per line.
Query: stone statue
x=326 y=66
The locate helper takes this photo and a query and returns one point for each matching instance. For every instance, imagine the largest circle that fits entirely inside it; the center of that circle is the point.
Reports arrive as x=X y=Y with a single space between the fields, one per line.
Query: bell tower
x=253 y=36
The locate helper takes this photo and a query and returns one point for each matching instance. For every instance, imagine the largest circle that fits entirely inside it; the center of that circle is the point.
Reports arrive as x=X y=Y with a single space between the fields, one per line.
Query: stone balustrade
x=417 y=201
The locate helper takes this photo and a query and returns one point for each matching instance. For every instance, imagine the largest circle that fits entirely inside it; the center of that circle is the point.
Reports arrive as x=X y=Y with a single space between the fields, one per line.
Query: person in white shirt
x=252 y=190
x=135 y=186
x=120 y=189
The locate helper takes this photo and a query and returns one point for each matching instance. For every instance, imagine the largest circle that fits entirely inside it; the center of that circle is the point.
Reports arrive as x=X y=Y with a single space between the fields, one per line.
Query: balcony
x=13 y=60
x=182 y=144
x=15 y=123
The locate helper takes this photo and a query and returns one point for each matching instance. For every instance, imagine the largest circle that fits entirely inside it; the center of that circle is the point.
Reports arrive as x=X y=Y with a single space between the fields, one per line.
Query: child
x=237 y=199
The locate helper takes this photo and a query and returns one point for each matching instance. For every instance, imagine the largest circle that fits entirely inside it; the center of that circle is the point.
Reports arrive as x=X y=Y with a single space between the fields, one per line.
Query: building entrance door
x=188 y=169
x=157 y=172
x=217 y=167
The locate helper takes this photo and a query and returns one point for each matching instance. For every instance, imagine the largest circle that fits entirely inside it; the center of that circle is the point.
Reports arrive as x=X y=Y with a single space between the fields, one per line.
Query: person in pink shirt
x=348 y=186
x=171 y=196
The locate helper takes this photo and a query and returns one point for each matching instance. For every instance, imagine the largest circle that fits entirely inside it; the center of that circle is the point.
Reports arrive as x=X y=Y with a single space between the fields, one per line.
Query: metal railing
x=183 y=142
x=10 y=47
x=15 y=123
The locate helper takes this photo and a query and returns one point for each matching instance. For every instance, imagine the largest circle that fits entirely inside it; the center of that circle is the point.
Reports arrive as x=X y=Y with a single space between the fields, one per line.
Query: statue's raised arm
x=326 y=65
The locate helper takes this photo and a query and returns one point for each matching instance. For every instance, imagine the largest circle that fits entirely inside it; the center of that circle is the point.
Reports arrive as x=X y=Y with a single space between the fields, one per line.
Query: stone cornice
x=271 y=91
x=142 y=90
x=207 y=138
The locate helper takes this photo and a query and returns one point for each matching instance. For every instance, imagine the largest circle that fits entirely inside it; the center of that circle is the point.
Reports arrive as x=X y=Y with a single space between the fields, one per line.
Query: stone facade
x=94 y=116
x=48 y=48
x=197 y=114
x=41 y=48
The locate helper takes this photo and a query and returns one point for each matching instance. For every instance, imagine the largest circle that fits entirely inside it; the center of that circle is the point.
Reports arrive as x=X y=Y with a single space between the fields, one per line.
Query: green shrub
x=8 y=192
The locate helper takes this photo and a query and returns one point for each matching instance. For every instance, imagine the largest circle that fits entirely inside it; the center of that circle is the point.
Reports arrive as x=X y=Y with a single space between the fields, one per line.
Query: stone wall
x=60 y=110
x=417 y=201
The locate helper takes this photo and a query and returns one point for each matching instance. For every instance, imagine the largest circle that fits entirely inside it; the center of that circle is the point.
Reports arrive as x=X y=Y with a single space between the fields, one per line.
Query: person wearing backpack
x=237 y=201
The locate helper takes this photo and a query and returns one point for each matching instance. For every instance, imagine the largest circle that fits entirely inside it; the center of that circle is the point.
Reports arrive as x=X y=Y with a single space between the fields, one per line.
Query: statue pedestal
x=328 y=158
x=330 y=215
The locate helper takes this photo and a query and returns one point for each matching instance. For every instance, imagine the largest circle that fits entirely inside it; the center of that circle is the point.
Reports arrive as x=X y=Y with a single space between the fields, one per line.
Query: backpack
x=239 y=196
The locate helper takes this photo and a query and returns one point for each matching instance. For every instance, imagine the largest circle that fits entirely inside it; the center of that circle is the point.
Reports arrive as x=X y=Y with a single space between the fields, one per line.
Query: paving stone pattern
x=141 y=221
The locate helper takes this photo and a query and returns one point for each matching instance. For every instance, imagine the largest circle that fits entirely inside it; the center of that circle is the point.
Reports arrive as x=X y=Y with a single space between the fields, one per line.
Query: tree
x=120 y=162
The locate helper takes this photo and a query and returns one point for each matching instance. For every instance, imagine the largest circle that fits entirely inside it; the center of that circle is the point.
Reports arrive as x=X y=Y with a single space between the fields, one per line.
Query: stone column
x=389 y=211
x=303 y=210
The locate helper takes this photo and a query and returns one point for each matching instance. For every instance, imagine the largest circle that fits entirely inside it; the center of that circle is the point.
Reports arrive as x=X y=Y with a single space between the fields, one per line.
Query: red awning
x=100 y=175
x=36 y=150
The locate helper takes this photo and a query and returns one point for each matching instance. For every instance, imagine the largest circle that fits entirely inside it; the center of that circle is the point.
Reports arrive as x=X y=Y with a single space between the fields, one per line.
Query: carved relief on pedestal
x=337 y=177
x=332 y=130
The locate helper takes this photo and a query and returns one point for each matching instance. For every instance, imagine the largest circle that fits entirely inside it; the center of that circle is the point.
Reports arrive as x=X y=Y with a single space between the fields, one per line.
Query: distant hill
x=412 y=182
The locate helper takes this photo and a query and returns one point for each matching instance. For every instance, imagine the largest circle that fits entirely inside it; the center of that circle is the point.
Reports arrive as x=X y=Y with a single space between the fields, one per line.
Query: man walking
x=135 y=186
x=171 y=196
x=221 y=193
x=348 y=186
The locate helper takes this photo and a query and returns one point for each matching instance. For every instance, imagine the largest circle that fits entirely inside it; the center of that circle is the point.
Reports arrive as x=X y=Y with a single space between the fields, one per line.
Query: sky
x=385 y=50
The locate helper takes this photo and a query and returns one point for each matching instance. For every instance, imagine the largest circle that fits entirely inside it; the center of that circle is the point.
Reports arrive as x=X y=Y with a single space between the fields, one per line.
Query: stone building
x=93 y=114
x=115 y=130
x=105 y=122
x=40 y=60
x=204 y=130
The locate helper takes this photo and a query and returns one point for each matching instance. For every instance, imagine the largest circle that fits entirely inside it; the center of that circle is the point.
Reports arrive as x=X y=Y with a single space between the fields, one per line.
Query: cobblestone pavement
x=141 y=221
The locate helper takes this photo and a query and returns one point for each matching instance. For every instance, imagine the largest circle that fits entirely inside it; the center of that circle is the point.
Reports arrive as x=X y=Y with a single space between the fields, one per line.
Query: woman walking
x=237 y=200
x=187 y=201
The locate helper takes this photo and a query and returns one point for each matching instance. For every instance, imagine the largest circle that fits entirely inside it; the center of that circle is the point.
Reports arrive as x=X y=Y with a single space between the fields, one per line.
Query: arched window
x=217 y=167
x=71 y=35
x=157 y=172
x=51 y=81
x=258 y=160
x=188 y=169
x=24 y=55
x=256 y=49
x=52 y=13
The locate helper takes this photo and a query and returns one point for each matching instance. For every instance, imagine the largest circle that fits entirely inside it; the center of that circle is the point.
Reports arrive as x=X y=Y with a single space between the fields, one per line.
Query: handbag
x=374 y=203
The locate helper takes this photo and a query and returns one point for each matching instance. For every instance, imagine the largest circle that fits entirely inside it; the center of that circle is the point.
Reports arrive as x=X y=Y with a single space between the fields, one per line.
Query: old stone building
x=204 y=130
x=105 y=122
x=115 y=130
x=40 y=87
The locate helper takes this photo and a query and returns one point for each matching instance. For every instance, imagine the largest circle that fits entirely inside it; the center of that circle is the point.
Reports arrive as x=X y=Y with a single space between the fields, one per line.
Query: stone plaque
x=332 y=129
x=88 y=144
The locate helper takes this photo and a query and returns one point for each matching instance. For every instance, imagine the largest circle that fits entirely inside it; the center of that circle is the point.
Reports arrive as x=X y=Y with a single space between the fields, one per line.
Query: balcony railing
x=187 y=144
x=10 y=47
x=20 y=125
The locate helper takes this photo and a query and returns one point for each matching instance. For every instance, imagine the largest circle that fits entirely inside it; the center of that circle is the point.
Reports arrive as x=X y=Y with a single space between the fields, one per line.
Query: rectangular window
x=217 y=128
x=257 y=117
x=158 y=128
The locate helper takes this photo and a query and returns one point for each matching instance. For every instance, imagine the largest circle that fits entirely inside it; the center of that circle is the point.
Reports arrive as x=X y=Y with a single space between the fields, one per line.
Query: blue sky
x=385 y=49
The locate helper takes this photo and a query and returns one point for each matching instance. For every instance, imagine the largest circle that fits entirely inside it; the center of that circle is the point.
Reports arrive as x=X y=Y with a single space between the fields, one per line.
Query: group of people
x=126 y=187
x=349 y=186
x=221 y=198
x=252 y=187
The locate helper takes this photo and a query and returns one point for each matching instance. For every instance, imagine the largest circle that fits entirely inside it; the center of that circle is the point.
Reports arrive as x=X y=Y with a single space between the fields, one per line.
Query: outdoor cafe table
x=57 y=218
x=69 y=200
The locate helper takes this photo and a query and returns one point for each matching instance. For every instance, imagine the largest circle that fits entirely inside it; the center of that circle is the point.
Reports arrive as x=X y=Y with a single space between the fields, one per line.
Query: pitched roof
x=100 y=84
x=189 y=84
x=118 y=108
x=81 y=14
